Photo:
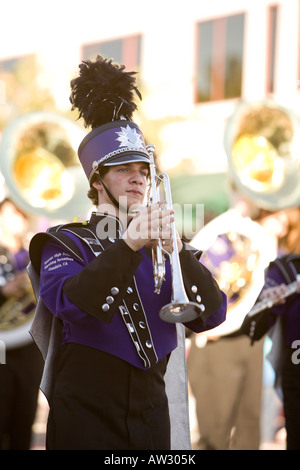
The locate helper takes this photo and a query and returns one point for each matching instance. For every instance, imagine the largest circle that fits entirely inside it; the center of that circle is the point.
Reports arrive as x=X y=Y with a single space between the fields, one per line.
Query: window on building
x=272 y=47
x=14 y=64
x=126 y=50
x=219 y=63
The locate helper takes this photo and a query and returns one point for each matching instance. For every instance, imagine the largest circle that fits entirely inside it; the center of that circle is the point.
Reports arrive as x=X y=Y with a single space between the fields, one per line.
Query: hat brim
x=123 y=159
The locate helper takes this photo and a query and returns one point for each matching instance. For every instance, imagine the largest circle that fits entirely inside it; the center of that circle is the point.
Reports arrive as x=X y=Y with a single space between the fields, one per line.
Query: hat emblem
x=129 y=137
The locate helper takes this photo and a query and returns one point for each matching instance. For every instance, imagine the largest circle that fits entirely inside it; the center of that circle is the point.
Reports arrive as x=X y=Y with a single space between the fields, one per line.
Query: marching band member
x=21 y=373
x=280 y=316
x=107 y=386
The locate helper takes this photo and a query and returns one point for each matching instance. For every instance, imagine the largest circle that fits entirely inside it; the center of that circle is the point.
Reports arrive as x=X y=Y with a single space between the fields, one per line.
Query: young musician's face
x=127 y=181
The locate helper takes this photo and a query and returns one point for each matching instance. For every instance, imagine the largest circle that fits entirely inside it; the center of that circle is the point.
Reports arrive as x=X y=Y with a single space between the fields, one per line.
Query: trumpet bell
x=180 y=312
x=262 y=146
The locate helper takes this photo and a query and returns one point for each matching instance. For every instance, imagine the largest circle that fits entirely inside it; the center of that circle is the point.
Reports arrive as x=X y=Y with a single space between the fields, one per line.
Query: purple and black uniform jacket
x=103 y=292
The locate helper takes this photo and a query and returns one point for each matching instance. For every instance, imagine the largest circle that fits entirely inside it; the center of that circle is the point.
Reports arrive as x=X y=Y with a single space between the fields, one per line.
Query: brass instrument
x=262 y=145
x=180 y=309
x=40 y=167
x=262 y=305
x=16 y=314
x=43 y=177
x=237 y=251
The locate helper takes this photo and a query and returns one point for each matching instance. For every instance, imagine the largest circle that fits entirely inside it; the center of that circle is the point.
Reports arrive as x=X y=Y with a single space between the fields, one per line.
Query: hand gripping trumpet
x=180 y=309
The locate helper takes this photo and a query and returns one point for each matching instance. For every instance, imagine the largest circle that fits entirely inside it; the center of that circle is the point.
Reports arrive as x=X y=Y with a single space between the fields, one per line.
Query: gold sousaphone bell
x=262 y=142
x=40 y=167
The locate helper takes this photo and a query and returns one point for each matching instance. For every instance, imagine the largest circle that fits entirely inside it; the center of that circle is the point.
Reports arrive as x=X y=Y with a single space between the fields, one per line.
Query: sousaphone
x=43 y=177
x=237 y=251
x=262 y=145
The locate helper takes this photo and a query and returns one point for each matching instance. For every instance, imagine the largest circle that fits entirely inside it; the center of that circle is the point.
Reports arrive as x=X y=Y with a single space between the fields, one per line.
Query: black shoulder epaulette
x=54 y=233
x=289 y=266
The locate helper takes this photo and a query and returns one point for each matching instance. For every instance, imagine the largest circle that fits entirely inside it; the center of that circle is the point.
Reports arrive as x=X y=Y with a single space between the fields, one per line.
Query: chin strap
x=112 y=198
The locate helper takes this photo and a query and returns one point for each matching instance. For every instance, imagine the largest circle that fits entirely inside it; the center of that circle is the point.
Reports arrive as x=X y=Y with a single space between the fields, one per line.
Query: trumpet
x=180 y=309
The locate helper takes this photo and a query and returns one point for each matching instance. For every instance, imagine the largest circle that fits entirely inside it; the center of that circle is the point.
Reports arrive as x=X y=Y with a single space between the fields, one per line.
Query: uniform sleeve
x=256 y=325
x=70 y=287
x=201 y=287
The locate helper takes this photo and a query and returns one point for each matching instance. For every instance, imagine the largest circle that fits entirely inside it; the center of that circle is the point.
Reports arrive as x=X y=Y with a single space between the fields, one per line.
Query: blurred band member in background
x=282 y=320
x=20 y=376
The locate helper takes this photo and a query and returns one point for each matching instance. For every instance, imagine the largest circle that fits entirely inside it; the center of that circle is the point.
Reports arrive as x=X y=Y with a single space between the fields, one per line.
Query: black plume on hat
x=103 y=92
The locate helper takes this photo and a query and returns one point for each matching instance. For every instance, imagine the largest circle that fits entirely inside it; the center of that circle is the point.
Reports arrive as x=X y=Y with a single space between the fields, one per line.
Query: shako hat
x=112 y=144
x=104 y=95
